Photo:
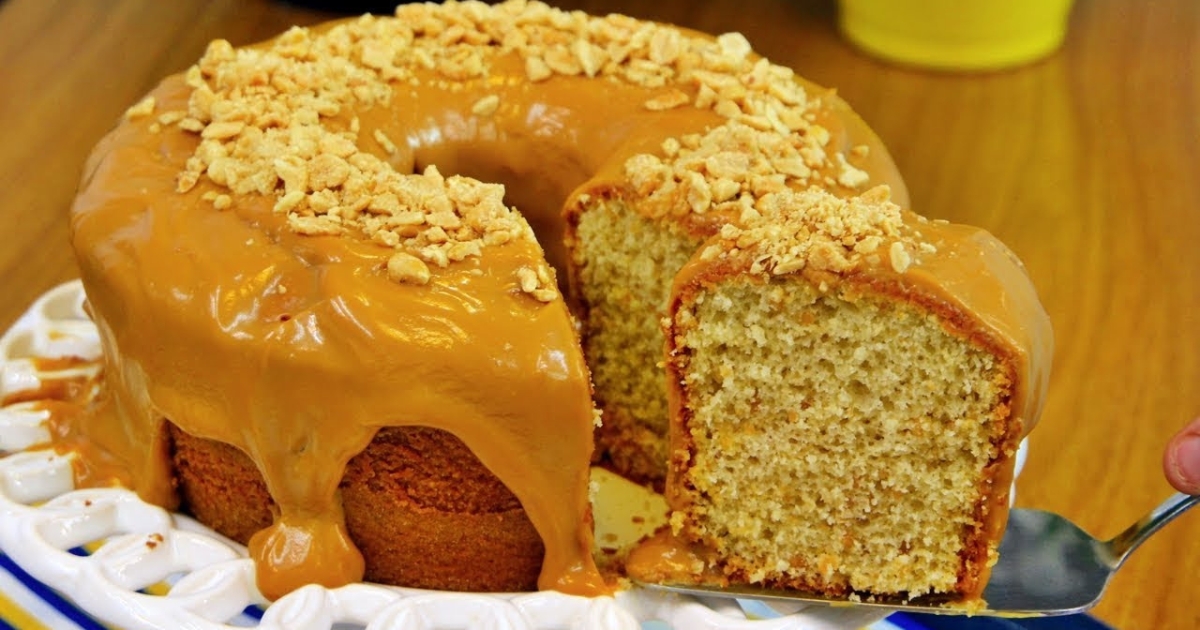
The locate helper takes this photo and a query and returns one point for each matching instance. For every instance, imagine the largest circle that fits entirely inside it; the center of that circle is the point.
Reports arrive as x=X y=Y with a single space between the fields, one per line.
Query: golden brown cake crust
x=219 y=485
x=420 y=506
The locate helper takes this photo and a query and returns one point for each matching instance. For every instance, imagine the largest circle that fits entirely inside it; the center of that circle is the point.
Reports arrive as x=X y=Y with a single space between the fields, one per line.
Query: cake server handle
x=1117 y=549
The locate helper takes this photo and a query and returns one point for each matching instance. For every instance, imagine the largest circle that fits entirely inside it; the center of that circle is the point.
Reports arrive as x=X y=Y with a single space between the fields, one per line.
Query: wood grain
x=1087 y=164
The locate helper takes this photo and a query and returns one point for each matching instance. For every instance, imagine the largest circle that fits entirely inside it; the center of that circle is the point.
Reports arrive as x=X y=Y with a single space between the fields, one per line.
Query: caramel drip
x=59 y=381
x=296 y=349
x=67 y=389
x=665 y=558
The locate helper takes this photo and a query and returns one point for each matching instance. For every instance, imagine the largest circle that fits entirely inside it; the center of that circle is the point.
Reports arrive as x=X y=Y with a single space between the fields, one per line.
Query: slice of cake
x=849 y=386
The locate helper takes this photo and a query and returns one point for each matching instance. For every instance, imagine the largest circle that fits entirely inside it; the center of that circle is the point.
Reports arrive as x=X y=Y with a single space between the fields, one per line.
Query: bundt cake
x=844 y=422
x=328 y=338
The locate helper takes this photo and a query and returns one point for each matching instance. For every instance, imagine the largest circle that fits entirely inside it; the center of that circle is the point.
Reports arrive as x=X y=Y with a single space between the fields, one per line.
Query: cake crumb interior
x=838 y=437
x=627 y=263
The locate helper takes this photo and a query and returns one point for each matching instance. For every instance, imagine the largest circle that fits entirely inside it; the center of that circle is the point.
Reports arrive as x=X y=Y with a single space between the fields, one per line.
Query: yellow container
x=956 y=34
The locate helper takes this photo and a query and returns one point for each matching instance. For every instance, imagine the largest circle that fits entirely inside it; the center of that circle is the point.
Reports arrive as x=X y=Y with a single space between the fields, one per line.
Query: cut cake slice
x=849 y=384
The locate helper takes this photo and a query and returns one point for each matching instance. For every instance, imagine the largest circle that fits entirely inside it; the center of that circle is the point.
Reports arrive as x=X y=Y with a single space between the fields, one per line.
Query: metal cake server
x=1048 y=566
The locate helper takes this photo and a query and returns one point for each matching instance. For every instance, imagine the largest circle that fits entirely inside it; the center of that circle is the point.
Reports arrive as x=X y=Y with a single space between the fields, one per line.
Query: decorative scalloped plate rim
x=205 y=580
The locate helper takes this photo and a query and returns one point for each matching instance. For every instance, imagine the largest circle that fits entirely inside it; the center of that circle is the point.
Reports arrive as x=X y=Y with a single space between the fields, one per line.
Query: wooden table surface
x=1087 y=164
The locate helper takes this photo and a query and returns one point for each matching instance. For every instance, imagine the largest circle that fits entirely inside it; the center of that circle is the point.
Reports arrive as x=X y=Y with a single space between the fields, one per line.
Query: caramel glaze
x=67 y=386
x=297 y=349
x=64 y=379
x=980 y=291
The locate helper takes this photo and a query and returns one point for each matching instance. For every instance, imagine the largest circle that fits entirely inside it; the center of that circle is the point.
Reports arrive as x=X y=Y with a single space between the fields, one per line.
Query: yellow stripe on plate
x=18 y=617
x=160 y=588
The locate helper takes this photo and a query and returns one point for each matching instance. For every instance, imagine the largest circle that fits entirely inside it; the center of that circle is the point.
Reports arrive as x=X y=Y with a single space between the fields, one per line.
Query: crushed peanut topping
x=668 y=100
x=143 y=108
x=280 y=121
x=539 y=282
x=899 y=257
x=721 y=170
x=788 y=231
x=486 y=106
x=407 y=268
x=384 y=141
x=271 y=122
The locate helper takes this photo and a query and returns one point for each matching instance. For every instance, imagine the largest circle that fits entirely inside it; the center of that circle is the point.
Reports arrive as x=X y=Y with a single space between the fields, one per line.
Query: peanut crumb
x=899 y=257
x=850 y=176
x=384 y=141
x=143 y=108
x=536 y=69
x=537 y=282
x=171 y=117
x=407 y=269
x=669 y=100
x=527 y=279
x=223 y=130
x=486 y=106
